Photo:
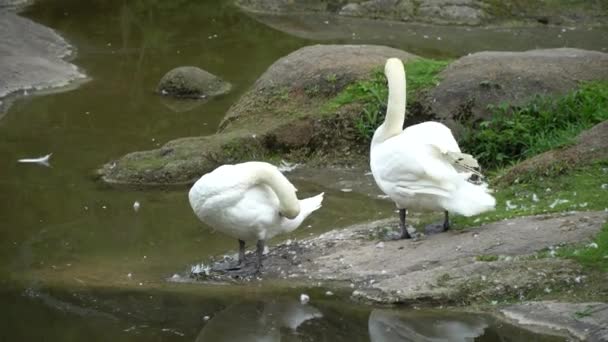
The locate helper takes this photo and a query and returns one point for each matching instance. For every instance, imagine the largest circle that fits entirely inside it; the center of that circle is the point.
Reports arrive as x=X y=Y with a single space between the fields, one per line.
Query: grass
x=372 y=93
x=592 y=255
x=584 y=188
x=487 y=258
x=518 y=132
x=581 y=189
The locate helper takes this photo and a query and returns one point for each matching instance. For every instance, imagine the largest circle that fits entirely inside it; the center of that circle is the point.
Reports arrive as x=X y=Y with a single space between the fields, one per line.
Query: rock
x=281 y=112
x=590 y=146
x=466 y=12
x=473 y=82
x=32 y=57
x=441 y=268
x=353 y=10
x=584 y=321
x=191 y=82
x=308 y=74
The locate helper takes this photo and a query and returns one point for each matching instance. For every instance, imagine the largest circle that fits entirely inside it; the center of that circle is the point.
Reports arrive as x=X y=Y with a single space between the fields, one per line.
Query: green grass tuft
x=516 y=133
x=487 y=258
x=421 y=74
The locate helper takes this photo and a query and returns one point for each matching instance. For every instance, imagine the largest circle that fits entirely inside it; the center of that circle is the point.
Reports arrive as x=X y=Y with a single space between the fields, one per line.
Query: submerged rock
x=192 y=82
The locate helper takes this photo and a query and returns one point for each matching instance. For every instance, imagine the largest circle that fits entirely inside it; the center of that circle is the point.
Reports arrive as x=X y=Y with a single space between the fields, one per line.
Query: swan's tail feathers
x=470 y=199
x=307 y=207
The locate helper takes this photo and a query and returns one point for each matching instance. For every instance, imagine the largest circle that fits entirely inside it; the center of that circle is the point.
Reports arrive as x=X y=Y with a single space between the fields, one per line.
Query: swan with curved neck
x=250 y=201
x=421 y=167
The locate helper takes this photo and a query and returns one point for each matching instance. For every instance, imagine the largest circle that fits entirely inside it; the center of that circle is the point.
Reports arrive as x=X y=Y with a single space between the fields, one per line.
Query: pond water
x=78 y=263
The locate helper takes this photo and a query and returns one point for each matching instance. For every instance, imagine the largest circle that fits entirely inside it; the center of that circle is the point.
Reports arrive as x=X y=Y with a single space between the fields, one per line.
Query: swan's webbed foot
x=241 y=261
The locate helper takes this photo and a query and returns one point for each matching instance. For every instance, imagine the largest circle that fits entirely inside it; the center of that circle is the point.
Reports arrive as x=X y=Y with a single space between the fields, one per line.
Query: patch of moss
x=488 y=258
x=593 y=255
x=372 y=93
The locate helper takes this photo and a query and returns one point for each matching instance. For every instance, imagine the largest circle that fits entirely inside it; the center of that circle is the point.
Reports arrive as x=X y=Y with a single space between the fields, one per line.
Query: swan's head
x=290 y=209
x=392 y=64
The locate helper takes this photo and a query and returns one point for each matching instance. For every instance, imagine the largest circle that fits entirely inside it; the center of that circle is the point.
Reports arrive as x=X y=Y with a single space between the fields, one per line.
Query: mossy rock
x=192 y=82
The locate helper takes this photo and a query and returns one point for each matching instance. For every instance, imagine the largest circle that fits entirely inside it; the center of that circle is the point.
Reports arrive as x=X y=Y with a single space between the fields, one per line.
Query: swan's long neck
x=395 y=109
x=264 y=173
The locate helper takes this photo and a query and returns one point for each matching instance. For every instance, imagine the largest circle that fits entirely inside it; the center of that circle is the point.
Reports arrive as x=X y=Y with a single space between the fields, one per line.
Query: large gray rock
x=32 y=57
x=192 y=82
x=473 y=82
x=312 y=73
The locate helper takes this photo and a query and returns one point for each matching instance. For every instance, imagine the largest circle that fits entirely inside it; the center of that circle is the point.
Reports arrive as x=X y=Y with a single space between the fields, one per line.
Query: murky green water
x=78 y=263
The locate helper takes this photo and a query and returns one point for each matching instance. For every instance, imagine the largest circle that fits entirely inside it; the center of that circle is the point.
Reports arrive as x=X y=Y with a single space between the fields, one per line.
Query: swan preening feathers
x=250 y=201
x=421 y=167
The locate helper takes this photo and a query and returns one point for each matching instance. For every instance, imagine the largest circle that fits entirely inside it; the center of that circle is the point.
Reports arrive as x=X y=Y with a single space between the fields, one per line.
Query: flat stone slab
x=585 y=321
x=441 y=268
x=31 y=57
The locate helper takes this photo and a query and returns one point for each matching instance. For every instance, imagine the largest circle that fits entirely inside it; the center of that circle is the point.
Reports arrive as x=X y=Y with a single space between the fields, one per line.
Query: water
x=77 y=262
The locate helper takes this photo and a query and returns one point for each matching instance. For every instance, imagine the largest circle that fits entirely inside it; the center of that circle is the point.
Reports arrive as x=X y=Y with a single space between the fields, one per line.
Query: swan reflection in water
x=392 y=326
x=259 y=321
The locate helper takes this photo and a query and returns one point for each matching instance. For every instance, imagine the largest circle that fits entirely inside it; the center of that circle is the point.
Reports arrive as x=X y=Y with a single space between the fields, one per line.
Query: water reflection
x=389 y=326
x=260 y=321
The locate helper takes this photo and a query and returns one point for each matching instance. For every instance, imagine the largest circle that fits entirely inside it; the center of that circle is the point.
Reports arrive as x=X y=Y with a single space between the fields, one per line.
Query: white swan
x=421 y=167
x=250 y=201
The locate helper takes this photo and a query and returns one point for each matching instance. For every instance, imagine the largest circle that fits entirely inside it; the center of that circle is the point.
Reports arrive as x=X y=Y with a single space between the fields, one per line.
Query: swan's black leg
x=260 y=254
x=404 y=233
x=241 y=253
x=446 y=221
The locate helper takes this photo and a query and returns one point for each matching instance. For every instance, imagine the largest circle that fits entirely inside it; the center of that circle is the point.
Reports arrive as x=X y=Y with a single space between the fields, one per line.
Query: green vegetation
x=515 y=133
x=421 y=74
x=584 y=188
x=592 y=255
x=489 y=257
x=580 y=189
x=584 y=313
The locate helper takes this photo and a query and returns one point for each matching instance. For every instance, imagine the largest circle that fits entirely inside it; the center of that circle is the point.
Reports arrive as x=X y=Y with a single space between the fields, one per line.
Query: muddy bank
x=492 y=262
x=453 y=12
x=32 y=57
x=438 y=41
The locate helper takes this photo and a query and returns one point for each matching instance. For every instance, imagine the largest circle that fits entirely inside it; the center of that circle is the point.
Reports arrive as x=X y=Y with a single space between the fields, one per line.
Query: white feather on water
x=44 y=160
